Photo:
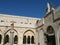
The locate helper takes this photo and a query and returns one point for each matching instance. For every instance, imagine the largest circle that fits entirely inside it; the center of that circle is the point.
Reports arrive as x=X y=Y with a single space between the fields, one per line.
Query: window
x=15 y=39
x=2 y=20
x=24 y=39
x=6 y=39
x=50 y=29
x=32 y=40
x=37 y=21
x=0 y=38
x=28 y=40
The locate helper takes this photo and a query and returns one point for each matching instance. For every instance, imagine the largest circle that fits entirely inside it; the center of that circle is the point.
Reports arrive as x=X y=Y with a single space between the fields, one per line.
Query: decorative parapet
x=19 y=21
x=17 y=25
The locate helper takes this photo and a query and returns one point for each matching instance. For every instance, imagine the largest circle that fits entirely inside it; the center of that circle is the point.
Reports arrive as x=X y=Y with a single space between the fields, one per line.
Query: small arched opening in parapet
x=28 y=37
x=37 y=22
x=50 y=36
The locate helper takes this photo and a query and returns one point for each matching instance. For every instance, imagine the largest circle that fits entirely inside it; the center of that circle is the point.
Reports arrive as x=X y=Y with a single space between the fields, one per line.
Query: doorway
x=51 y=40
x=50 y=36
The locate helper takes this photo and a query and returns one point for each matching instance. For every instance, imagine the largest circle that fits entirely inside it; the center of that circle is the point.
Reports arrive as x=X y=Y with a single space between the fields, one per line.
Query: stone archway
x=28 y=37
x=11 y=34
x=50 y=36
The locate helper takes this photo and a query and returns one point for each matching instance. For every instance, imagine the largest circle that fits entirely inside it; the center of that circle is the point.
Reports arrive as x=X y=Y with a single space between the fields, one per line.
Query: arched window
x=6 y=39
x=50 y=29
x=0 y=38
x=28 y=40
x=32 y=40
x=50 y=39
x=24 y=39
x=15 y=39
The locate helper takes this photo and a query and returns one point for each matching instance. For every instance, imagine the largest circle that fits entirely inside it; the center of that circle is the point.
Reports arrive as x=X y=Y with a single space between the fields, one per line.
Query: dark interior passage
x=51 y=40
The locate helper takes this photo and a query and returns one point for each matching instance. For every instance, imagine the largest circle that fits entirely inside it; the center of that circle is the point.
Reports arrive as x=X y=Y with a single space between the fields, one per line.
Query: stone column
x=57 y=37
x=11 y=37
x=12 y=34
x=41 y=37
x=2 y=39
x=37 y=37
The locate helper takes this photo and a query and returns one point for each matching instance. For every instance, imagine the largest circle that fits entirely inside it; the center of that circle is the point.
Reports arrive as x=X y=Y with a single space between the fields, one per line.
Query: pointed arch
x=10 y=29
x=50 y=36
x=29 y=30
x=15 y=36
x=27 y=37
x=50 y=29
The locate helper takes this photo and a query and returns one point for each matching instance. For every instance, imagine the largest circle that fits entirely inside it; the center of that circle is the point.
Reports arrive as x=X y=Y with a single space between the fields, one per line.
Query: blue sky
x=29 y=8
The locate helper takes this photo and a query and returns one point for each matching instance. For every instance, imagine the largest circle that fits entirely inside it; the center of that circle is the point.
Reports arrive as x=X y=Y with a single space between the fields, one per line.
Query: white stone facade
x=51 y=27
x=23 y=26
x=18 y=30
